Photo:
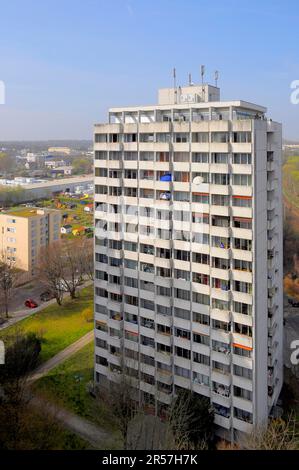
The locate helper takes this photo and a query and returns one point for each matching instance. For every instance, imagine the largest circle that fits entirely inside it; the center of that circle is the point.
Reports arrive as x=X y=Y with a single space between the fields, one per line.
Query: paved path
x=43 y=369
x=95 y=435
x=89 y=431
x=19 y=315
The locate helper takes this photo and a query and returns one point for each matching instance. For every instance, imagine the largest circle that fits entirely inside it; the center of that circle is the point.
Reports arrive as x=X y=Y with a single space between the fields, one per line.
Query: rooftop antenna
x=174 y=86
x=190 y=80
x=216 y=77
x=202 y=73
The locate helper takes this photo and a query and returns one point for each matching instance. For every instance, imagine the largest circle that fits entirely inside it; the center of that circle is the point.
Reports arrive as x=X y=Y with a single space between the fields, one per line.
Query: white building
x=188 y=272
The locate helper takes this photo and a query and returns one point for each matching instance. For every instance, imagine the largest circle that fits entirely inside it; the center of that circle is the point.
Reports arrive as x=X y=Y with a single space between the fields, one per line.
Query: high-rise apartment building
x=24 y=231
x=188 y=247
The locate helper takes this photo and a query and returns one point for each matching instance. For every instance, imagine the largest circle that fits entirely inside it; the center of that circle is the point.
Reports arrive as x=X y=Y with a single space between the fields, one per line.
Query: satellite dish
x=198 y=180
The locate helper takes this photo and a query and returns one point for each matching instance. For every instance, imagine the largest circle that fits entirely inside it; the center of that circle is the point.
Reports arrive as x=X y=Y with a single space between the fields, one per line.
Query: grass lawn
x=59 y=326
x=67 y=384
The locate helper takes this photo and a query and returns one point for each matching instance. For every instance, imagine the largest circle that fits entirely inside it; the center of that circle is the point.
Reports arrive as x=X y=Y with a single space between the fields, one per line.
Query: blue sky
x=65 y=62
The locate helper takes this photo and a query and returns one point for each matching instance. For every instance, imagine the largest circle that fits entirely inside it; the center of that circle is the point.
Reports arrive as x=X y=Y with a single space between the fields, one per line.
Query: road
x=23 y=312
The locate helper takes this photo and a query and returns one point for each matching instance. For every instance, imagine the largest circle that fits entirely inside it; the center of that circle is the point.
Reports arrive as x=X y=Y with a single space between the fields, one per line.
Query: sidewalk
x=43 y=369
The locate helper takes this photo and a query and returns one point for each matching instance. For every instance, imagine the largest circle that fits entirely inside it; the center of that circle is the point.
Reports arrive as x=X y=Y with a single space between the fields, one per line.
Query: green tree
x=7 y=163
x=82 y=166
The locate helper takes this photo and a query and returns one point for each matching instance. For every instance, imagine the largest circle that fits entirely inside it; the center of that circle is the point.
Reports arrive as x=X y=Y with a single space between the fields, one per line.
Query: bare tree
x=51 y=270
x=122 y=399
x=280 y=434
x=72 y=266
x=86 y=256
x=8 y=279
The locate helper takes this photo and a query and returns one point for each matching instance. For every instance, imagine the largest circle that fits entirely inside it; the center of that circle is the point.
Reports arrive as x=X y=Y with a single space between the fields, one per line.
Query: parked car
x=45 y=296
x=30 y=303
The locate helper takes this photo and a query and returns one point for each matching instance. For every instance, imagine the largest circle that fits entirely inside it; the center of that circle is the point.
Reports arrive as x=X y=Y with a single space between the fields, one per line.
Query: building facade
x=24 y=232
x=188 y=253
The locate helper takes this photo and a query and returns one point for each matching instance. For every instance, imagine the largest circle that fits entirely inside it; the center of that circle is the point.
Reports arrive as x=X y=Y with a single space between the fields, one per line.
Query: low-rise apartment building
x=24 y=231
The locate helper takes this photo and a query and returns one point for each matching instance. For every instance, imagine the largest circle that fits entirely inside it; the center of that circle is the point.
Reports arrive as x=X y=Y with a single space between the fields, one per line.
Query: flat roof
x=209 y=104
x=28 y=212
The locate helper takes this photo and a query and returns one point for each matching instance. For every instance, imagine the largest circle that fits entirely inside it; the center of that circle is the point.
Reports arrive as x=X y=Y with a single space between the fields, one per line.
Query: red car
x=30 y=303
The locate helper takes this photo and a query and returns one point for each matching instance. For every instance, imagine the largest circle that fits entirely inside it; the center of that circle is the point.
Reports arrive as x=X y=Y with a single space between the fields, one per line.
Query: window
x=242 y=158
x=201 y=318
x=241 y=137
x=243 y=372
x=200 y=157
x=201 y=278
x=201 y=359
x=180 y=333
x=181 y=352
x=242 y=329
x=162 y=310
x=200 y=137
x=242 y=244
x=201 y=339
x=221 y=158
x=147 y=304
x=201 y=198
x=182 y=372
x=243 y=415
x=181 y=274
x=130 y=264
x=131 y=282
x=181 y=313
x=242 y=265
x=200 y=258
x=219 y=137
x=240 y=307
x=200 y=298
x=242 y=222
x=242 y=180
x=182 y=255
x=242 y=201
x=220 y=178
x=182 y=294
x=181 y=137
x=219 y=200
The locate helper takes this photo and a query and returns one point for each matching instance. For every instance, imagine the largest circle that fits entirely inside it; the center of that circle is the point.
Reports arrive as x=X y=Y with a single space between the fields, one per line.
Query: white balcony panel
x=243 y=404
x=221 y=315
x=221 y=357
x=244 y=255
x=224 y=379
x=241 y=147
x=219 y=231
x=242 y=297
x=242 y=426
x=240 y=169
x=241 y=190
x=200 y=329
x=181 y=147
x=222 y=421
x=242 y=339
x=245 y=212
x=219 y=210
x=242 y=361
x=220 y=273
x=243 y=319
